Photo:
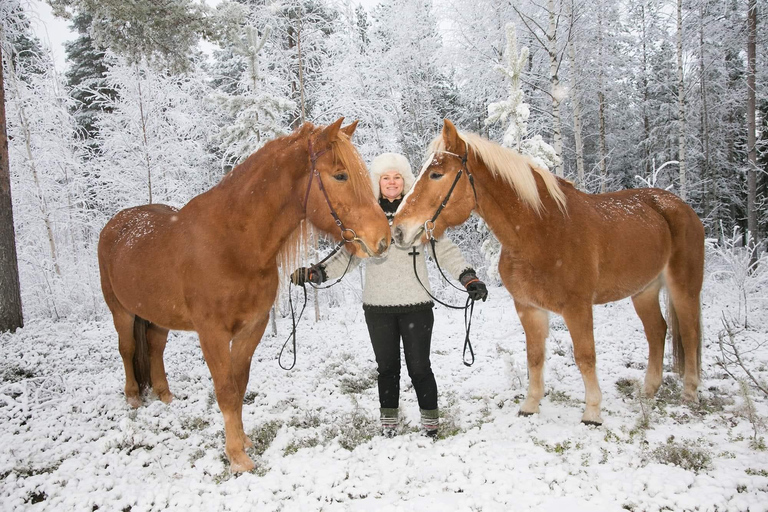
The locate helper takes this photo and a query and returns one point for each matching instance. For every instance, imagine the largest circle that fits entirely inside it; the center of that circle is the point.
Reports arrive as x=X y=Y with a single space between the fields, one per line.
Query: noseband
x=429 y=226
x=348 y=235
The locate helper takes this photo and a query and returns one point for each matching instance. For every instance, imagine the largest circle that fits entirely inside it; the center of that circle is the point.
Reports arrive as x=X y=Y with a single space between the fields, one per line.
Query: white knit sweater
x=390 y=283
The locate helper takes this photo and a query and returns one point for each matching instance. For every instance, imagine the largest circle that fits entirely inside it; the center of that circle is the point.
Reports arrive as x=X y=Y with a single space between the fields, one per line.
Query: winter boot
x=389 y=422
x=430 y=421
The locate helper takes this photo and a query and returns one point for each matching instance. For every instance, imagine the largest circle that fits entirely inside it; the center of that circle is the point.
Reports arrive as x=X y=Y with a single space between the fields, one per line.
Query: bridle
x=429 y=226
x=345 y=239
x=314 y=172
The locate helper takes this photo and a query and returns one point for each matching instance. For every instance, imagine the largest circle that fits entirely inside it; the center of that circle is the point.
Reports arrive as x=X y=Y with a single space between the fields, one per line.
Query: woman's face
x=391 y=184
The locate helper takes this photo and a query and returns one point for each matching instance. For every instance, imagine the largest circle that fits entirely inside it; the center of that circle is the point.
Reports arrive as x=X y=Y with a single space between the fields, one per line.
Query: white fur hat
x=387 y=162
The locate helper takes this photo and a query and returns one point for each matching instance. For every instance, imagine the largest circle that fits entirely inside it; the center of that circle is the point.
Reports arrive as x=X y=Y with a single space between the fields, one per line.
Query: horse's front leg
x=243 y=346
x=535 y=323
x=215 y=345
x=579 y=322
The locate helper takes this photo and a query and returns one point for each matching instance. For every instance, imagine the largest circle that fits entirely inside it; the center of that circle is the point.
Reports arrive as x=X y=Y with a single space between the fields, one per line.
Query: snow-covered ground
x=68 y=441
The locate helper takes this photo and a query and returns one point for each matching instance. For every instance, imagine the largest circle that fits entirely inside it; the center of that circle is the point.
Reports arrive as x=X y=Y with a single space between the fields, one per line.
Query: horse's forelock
x=345 y=153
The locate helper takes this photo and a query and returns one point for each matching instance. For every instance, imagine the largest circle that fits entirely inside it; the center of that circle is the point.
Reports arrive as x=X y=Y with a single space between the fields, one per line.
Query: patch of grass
x=756 y=472
x=263 y=436
x=14 y=373
x=688 y=455
x=357 y=383
x=359 y=429
x=626 y=387
x=296 y=445
x=559 y=447
x=196 y=423
x=250 y=397
x=561 y=397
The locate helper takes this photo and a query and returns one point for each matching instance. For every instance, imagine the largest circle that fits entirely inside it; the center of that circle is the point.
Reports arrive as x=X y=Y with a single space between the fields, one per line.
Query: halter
x=314 y=172
x=344 y=240
x=429 y=226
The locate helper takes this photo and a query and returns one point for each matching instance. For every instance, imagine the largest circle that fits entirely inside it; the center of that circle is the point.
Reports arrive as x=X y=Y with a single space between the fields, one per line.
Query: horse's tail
x=141 y=353
x=678 y=350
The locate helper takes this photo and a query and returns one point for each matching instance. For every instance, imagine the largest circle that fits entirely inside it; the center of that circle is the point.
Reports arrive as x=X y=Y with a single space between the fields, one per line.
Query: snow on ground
x=68 y=441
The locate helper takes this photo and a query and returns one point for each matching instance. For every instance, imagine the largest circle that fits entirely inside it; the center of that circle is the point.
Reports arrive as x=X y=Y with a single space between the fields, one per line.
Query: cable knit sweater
x=390 y=284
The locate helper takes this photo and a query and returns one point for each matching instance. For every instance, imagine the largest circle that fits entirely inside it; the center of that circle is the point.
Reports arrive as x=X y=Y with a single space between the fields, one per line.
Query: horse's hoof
x=241 y=463
x=592 y=423
x=690 y=397
x=133 y=401
x=524 y=413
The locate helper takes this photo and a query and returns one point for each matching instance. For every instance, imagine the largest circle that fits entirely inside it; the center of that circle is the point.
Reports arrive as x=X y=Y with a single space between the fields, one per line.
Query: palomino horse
x=211 y=266
x=564 y=250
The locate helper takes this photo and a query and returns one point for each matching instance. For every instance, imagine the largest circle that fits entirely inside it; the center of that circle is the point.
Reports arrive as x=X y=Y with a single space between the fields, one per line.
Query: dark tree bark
x=10 y=294
x=752 y=152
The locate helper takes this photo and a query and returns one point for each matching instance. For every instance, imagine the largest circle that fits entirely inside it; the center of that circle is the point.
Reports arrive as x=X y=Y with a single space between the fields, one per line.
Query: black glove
x=303 y=275
x=475 y=287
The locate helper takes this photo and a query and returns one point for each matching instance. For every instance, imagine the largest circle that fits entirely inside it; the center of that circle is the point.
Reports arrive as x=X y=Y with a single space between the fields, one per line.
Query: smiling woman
x=396 y=303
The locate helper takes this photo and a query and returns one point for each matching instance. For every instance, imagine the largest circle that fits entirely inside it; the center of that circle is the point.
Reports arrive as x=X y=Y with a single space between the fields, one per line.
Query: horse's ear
x=332 y=132
x=450 y=135
x=350 y=129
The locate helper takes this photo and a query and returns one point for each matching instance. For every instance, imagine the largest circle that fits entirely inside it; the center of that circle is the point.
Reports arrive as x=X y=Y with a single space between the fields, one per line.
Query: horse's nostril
x=383 y=244
x=397 y=234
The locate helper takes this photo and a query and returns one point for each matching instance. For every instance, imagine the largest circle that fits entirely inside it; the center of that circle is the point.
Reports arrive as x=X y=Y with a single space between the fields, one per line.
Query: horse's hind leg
x=686 y=332
x=123 y=321
x=157 y=338
x=579 y=322
x=535 y=323
x=647 y=307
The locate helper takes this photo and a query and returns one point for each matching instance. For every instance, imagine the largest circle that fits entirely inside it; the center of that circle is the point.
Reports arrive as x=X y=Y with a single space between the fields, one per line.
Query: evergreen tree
x=86 y=76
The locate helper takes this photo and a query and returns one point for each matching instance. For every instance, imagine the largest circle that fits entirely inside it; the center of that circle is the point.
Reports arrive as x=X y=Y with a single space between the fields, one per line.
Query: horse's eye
x=435 y=175
x=340 y=176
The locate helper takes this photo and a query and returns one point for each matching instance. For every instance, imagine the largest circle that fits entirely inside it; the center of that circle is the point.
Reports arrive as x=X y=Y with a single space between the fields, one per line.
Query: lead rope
x=295 y=321
x=468 y=307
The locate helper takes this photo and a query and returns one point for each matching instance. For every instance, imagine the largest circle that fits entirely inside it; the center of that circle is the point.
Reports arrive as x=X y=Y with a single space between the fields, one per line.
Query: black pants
x=415 y=328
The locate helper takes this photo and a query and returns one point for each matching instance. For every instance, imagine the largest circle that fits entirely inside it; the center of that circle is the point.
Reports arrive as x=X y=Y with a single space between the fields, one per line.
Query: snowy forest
x=613 y=94
x=158 y=99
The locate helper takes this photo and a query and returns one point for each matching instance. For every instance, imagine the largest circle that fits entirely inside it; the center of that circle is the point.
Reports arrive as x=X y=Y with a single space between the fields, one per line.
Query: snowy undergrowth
x=68 y=441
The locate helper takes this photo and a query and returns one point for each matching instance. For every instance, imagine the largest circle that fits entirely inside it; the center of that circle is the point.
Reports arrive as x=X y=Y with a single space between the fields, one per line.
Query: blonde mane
x=512 y=167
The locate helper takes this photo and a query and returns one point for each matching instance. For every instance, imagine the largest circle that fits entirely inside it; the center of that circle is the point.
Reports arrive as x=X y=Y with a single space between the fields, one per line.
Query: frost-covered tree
x=85 y=75
x=154 y=138
x=256 y=114
x=53 y=231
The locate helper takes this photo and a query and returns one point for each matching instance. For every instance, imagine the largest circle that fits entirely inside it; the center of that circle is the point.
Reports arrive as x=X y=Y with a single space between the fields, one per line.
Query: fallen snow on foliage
x=68 y=441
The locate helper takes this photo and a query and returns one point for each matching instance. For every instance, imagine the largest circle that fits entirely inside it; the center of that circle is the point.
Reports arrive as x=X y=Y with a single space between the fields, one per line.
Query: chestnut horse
x=212 y=267
x=563 y=250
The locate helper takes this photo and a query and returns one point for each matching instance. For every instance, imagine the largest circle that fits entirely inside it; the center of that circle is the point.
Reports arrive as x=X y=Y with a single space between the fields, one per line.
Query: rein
x=429 y=227
x=344 y=240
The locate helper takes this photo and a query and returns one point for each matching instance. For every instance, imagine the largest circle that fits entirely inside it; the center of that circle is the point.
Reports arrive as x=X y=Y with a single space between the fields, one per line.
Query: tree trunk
x=601 y=105
x=681 y=101
x=752 y=153
x=11 y=317
x=555 y=82
x=147 y=160
x=576 y=114
x=646 y=119
x=44 y=210
x=705 y=171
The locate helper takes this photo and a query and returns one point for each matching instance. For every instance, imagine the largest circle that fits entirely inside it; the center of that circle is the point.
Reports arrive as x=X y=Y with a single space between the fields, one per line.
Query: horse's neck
x=500 y=206
x=263 y=197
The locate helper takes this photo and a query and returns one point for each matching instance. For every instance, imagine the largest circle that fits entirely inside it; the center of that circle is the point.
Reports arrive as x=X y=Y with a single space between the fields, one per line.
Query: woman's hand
x=303 y=275
x=475 y=287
